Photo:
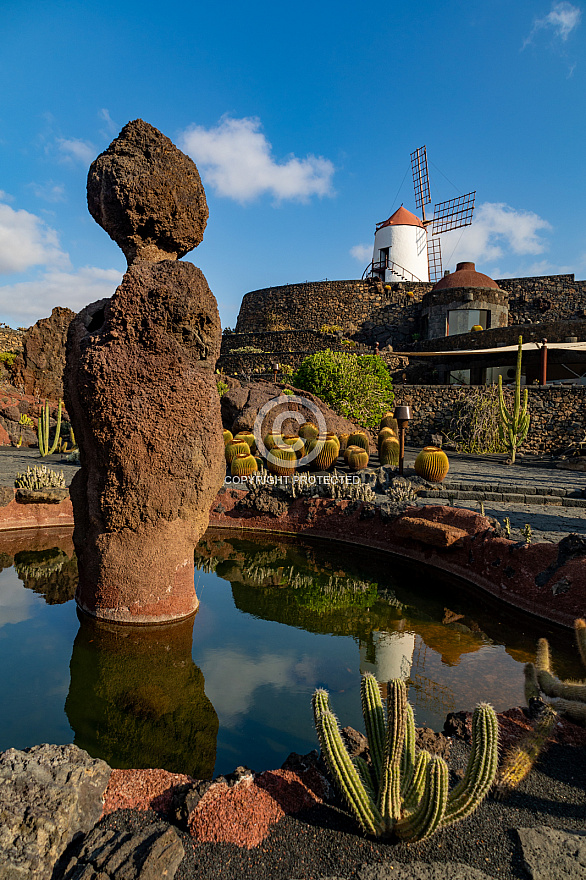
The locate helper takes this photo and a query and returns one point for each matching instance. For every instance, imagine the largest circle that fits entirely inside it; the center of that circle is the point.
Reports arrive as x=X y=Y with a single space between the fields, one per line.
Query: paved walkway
x=552 y=501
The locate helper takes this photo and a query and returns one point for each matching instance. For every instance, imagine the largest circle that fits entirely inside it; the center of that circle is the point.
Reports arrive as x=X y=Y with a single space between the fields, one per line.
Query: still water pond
x=233 y=685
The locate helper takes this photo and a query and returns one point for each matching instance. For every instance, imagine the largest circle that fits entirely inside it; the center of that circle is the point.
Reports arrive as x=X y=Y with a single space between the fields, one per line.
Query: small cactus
x=40 y=478
x=514 y=426
x=406 y=791
x=43 y=430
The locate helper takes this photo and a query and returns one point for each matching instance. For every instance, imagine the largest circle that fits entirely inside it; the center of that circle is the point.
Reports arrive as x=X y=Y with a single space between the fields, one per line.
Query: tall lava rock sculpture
x=140 y=390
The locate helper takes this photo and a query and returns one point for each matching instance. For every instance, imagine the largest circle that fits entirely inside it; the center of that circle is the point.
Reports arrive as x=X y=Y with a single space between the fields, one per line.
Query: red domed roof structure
x=464 y=276
x=401 y=217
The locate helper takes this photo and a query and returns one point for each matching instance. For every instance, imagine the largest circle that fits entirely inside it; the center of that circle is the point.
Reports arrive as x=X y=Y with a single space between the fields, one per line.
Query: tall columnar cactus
x=43 y=430
x=514 y=426
x=404 y=791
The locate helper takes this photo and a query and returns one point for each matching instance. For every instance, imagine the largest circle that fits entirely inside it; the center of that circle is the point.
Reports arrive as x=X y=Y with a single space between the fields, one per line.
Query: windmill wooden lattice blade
x=454 y=213
x=420 y=177
x=434 y=259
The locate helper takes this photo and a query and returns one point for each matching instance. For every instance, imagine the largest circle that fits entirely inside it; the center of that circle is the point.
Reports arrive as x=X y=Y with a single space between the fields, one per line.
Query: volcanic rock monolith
x=140 y=390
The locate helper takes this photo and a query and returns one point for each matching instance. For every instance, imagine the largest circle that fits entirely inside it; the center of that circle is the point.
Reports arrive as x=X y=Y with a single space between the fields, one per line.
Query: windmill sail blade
x=420 y=177
x=454 y=213
x=434 y=259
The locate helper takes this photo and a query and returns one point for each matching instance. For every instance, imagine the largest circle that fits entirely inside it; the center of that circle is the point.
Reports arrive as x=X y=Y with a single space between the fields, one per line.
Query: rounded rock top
x=147 y=195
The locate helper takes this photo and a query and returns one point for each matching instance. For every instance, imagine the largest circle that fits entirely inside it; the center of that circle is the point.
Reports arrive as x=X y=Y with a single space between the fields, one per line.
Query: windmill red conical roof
x=402 y=217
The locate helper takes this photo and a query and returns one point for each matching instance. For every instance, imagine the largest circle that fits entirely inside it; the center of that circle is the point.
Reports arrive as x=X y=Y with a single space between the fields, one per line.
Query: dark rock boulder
x=147 y=195
x=241 y=405
x=146 y=854
x=39 y=369
x=48 y=794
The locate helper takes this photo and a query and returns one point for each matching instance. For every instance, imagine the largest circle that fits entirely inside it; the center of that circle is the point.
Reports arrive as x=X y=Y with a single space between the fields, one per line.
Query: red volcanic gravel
x=142 y=790
x=244 y=813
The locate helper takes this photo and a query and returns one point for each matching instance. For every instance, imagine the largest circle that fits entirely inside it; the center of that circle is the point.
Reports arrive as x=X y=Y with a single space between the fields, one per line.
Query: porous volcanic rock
x=148 y=854
x=38 y=370
x=242 y=402
x=147 y=195
x=48 y=794
x=141 y=394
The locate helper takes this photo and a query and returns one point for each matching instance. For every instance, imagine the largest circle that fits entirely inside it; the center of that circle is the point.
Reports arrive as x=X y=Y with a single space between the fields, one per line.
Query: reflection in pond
x=233 y=685
x=137 y=699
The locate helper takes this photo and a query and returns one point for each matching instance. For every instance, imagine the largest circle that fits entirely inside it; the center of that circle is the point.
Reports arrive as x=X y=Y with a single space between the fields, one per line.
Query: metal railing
x=380 y=266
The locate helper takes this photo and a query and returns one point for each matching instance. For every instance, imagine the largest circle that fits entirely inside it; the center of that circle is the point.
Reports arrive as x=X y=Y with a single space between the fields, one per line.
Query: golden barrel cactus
x=296 y=443
x=247 y=437
x=234 y=447
x=358 y=459
x=309 y=431
x=243 y=465
x=281 y=462
x=343 y=438
x=348 y=450
x=389 y=451
x=432 y=464
x=358 y=439
x=328 y=451
x=227 y=436
x=389 y=421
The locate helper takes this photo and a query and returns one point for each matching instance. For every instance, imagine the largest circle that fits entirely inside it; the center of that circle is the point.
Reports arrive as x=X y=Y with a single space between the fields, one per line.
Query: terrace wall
x=558 y=414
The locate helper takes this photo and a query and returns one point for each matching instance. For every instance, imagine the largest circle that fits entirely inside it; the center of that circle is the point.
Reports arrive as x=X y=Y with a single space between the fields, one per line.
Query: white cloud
x=26 y=241
x=561 y=20
x=497 y=230
x=49 y=191
x=236 y=159
x=232 y=696
x=23 y=303
x=361 y=252
x=111 y=126
x=77 y=150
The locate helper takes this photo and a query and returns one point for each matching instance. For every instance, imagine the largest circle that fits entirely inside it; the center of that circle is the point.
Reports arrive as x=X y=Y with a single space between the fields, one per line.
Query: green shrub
x=7 y=358
x=357 y=387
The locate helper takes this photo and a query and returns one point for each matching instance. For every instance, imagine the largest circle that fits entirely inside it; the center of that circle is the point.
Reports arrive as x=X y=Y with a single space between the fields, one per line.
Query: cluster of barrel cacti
x=404 y=791
x=388 y=441
x=284 y=450
x=239 y=451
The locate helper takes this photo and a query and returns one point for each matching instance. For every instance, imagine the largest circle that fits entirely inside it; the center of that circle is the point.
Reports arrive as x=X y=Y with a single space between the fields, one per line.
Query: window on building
x=463 y=320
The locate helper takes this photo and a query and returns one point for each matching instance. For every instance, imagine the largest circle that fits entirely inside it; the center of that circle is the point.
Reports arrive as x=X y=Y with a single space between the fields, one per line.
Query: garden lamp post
x=403 y=415
x=275 y=367
x=543 y=363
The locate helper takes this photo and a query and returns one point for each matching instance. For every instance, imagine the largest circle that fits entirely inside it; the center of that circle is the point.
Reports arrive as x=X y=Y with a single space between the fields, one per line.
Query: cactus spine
x=514 y=426
x=43 y=430
x=405 y=793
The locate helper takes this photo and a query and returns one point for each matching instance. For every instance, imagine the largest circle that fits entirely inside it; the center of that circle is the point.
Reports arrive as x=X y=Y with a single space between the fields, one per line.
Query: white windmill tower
x=405 y=248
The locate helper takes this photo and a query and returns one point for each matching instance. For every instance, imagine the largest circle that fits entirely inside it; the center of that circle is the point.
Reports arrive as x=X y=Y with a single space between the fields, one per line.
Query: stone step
x=504 y=497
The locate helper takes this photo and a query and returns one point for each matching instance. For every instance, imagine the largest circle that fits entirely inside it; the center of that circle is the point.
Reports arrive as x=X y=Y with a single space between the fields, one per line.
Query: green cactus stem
x=566 y=697
x=404 y=792
x=43 y=430
x=514 y=426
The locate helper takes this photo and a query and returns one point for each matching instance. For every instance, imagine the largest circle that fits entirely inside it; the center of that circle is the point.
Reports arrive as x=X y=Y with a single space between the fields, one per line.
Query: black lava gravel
x=324 y=841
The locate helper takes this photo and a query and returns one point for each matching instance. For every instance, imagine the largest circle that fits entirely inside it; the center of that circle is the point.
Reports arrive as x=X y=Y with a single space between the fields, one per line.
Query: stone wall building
x=285 y=324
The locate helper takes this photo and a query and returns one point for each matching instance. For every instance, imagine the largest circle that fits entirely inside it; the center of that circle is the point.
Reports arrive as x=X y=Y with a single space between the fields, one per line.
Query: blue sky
x=301 y=118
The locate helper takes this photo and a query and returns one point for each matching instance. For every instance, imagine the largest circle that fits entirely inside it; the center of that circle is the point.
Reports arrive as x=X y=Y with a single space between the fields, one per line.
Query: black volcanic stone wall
x=390 y=314
x=432 y=408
